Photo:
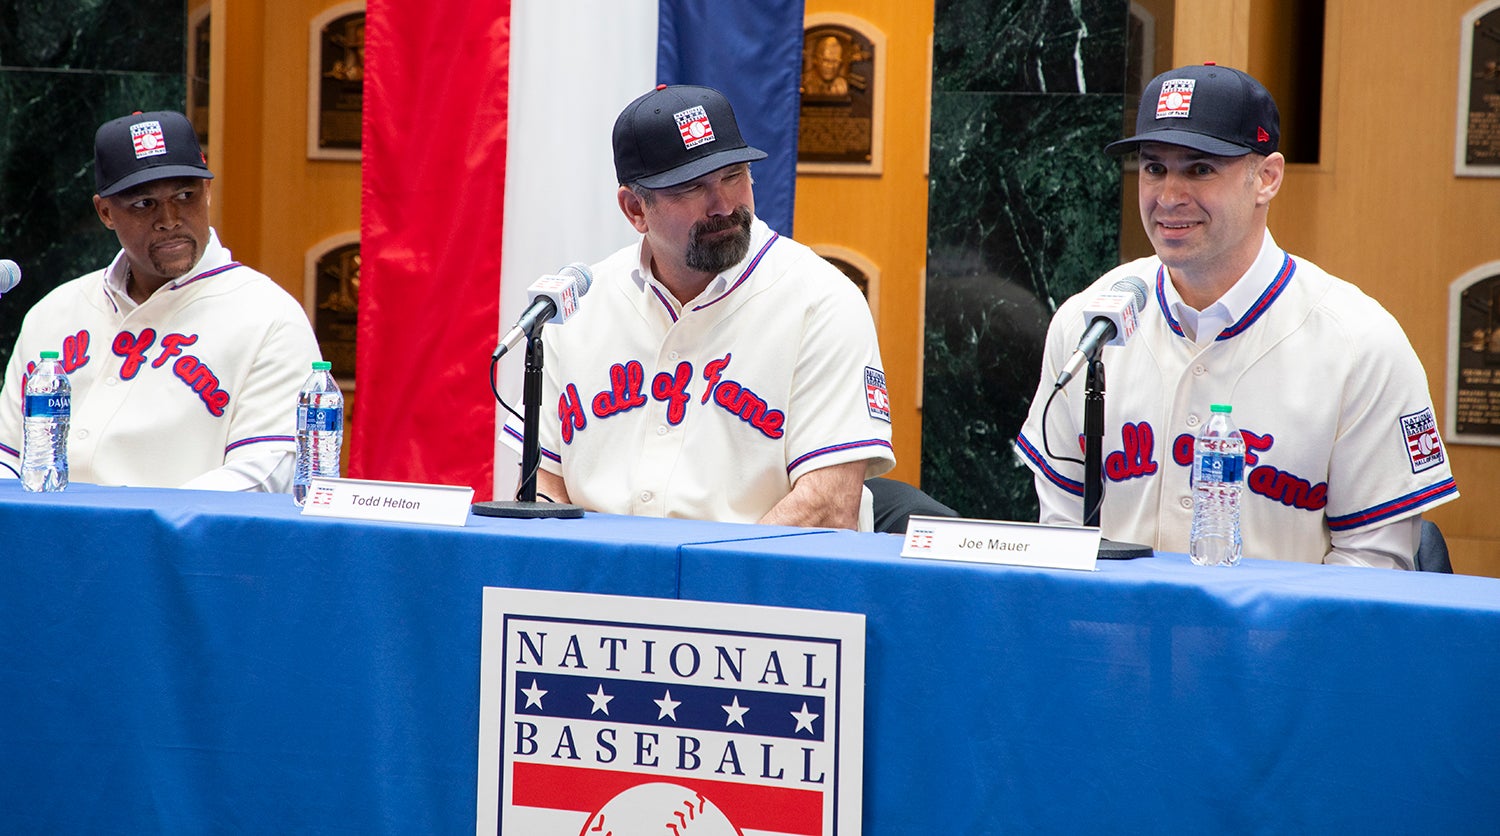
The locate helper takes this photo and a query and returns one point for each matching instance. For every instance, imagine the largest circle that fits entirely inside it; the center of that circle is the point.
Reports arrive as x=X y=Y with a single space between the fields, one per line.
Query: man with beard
x=717 y=369
x=185 y=364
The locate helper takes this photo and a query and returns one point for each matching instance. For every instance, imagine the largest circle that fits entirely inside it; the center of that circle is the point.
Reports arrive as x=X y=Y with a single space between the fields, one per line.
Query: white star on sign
x=668 y=706
x=600 y=700
x=533 y=695
x=736 y=712
x=805 y=719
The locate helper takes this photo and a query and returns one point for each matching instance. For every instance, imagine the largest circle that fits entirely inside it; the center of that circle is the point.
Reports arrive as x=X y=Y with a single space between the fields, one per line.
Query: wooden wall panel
x=275 y=202
x=884 y=217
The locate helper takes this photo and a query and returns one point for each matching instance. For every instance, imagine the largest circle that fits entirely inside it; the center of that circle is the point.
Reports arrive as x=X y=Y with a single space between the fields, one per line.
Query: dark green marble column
x=1024 y=212
x=66 y=67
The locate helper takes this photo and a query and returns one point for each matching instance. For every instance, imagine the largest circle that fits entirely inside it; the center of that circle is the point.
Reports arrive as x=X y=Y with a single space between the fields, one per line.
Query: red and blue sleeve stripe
x=1045 y=467
x=1401 y=505
x=836 y=448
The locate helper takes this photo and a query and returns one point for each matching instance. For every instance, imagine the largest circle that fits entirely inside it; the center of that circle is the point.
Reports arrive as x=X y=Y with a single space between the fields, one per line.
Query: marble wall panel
x=1029 y=46
x=66 y=68
x=1024 y=212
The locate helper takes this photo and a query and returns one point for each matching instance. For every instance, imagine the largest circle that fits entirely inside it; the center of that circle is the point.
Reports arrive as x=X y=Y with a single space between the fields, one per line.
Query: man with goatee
x=716 y=370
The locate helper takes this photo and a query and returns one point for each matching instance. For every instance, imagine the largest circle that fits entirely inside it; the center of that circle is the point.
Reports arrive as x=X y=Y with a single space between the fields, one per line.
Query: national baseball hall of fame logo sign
x=604 y=714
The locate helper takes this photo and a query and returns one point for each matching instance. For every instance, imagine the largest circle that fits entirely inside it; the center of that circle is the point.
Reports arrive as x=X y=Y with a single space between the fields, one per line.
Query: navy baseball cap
x=673 y=134
x=142 y=147
x=1216 y=110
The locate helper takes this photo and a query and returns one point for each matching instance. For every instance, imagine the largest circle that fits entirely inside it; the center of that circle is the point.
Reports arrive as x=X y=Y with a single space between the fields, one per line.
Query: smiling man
x=1343 y=452
x=717 y=370
x=185 y=364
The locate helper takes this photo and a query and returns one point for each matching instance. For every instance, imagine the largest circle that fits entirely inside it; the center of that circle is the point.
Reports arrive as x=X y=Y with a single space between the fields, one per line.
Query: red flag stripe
x=434 y=146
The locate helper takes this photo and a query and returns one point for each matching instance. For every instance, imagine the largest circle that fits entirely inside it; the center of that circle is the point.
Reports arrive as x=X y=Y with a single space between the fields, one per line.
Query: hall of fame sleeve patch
x=1423 y=444
x=877 y=400
x=613 y=714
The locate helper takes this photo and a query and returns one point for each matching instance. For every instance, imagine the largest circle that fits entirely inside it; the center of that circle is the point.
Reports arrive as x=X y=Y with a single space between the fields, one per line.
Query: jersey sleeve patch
x=876 y=398
x=1423 y=444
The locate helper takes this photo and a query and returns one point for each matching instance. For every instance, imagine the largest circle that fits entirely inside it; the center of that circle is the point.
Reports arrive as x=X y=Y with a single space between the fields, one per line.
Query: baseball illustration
x=659 y=809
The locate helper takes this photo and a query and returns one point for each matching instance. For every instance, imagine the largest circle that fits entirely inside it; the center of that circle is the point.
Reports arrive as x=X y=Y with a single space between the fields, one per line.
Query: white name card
x=407 y=502
x=1002 y=543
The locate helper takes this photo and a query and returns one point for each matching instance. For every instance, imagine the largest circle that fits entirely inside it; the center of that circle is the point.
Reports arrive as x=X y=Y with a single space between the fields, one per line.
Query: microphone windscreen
x=1120 y=305
x=1135 y=287
x=10 y=275
x=583 y=279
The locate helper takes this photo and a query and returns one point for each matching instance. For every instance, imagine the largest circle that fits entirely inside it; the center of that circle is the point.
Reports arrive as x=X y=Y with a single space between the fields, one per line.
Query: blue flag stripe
x=752 y=53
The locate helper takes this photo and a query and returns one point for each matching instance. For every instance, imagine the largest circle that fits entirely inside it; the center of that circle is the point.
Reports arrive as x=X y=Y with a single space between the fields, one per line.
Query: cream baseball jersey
x=1332 y=401
x=200 y=379
x=713 y=410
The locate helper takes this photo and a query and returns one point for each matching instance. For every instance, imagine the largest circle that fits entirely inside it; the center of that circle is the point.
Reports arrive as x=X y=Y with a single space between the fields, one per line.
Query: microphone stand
x=1093 y=463
x=526 y=506
x=1093 y=441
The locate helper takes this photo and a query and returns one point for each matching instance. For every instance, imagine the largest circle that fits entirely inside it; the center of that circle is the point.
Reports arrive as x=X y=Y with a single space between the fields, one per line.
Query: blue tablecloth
x=180 y=661
x=1154 y=695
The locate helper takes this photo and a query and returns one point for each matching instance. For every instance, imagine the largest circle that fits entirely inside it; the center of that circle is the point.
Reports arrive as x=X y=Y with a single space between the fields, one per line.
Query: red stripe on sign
x=749 y=806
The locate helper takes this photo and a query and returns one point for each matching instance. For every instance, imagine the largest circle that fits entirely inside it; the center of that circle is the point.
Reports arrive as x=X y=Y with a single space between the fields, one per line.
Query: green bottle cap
x=50 y=355
x=321 y=365
x=1221 y=407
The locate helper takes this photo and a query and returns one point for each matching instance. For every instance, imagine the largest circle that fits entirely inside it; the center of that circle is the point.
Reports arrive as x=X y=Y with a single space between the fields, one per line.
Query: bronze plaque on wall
x=839 y=126
x=338 y=91
x=199 y=55
x=336 y=308
x=1474 y=400
x=1478 y=131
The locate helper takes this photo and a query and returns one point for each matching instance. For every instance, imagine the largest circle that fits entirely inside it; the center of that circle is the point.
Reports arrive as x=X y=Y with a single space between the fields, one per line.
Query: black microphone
x=1111 y=316
x=10 y=275
x=549 y=299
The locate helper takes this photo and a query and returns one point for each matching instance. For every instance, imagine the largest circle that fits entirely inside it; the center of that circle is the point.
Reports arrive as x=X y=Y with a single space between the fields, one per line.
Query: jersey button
x=1186 y=502
x=1192 y=420
x=81 y=433
x=645 y=496
x=661 y=430
x=1199 y=370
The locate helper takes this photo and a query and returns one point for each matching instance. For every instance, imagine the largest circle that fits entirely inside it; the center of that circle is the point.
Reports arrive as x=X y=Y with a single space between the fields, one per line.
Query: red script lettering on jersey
x=1135 y=459
x=189 y=369
x=740 y=401
x=75 y=352
x=624 y=393
x=672 y=388
x=625 y=390
x=570 y=412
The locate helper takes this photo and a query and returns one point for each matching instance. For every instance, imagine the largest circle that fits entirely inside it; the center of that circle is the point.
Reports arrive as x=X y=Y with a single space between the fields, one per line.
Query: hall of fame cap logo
x=610 y=714
x=694 y=125
x=148 y=139
x=1176 y=99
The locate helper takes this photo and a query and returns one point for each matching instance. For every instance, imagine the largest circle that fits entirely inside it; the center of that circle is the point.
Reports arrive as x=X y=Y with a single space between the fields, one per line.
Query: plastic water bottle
x=320 y=429
x=1218 y=479
x=46 y=411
